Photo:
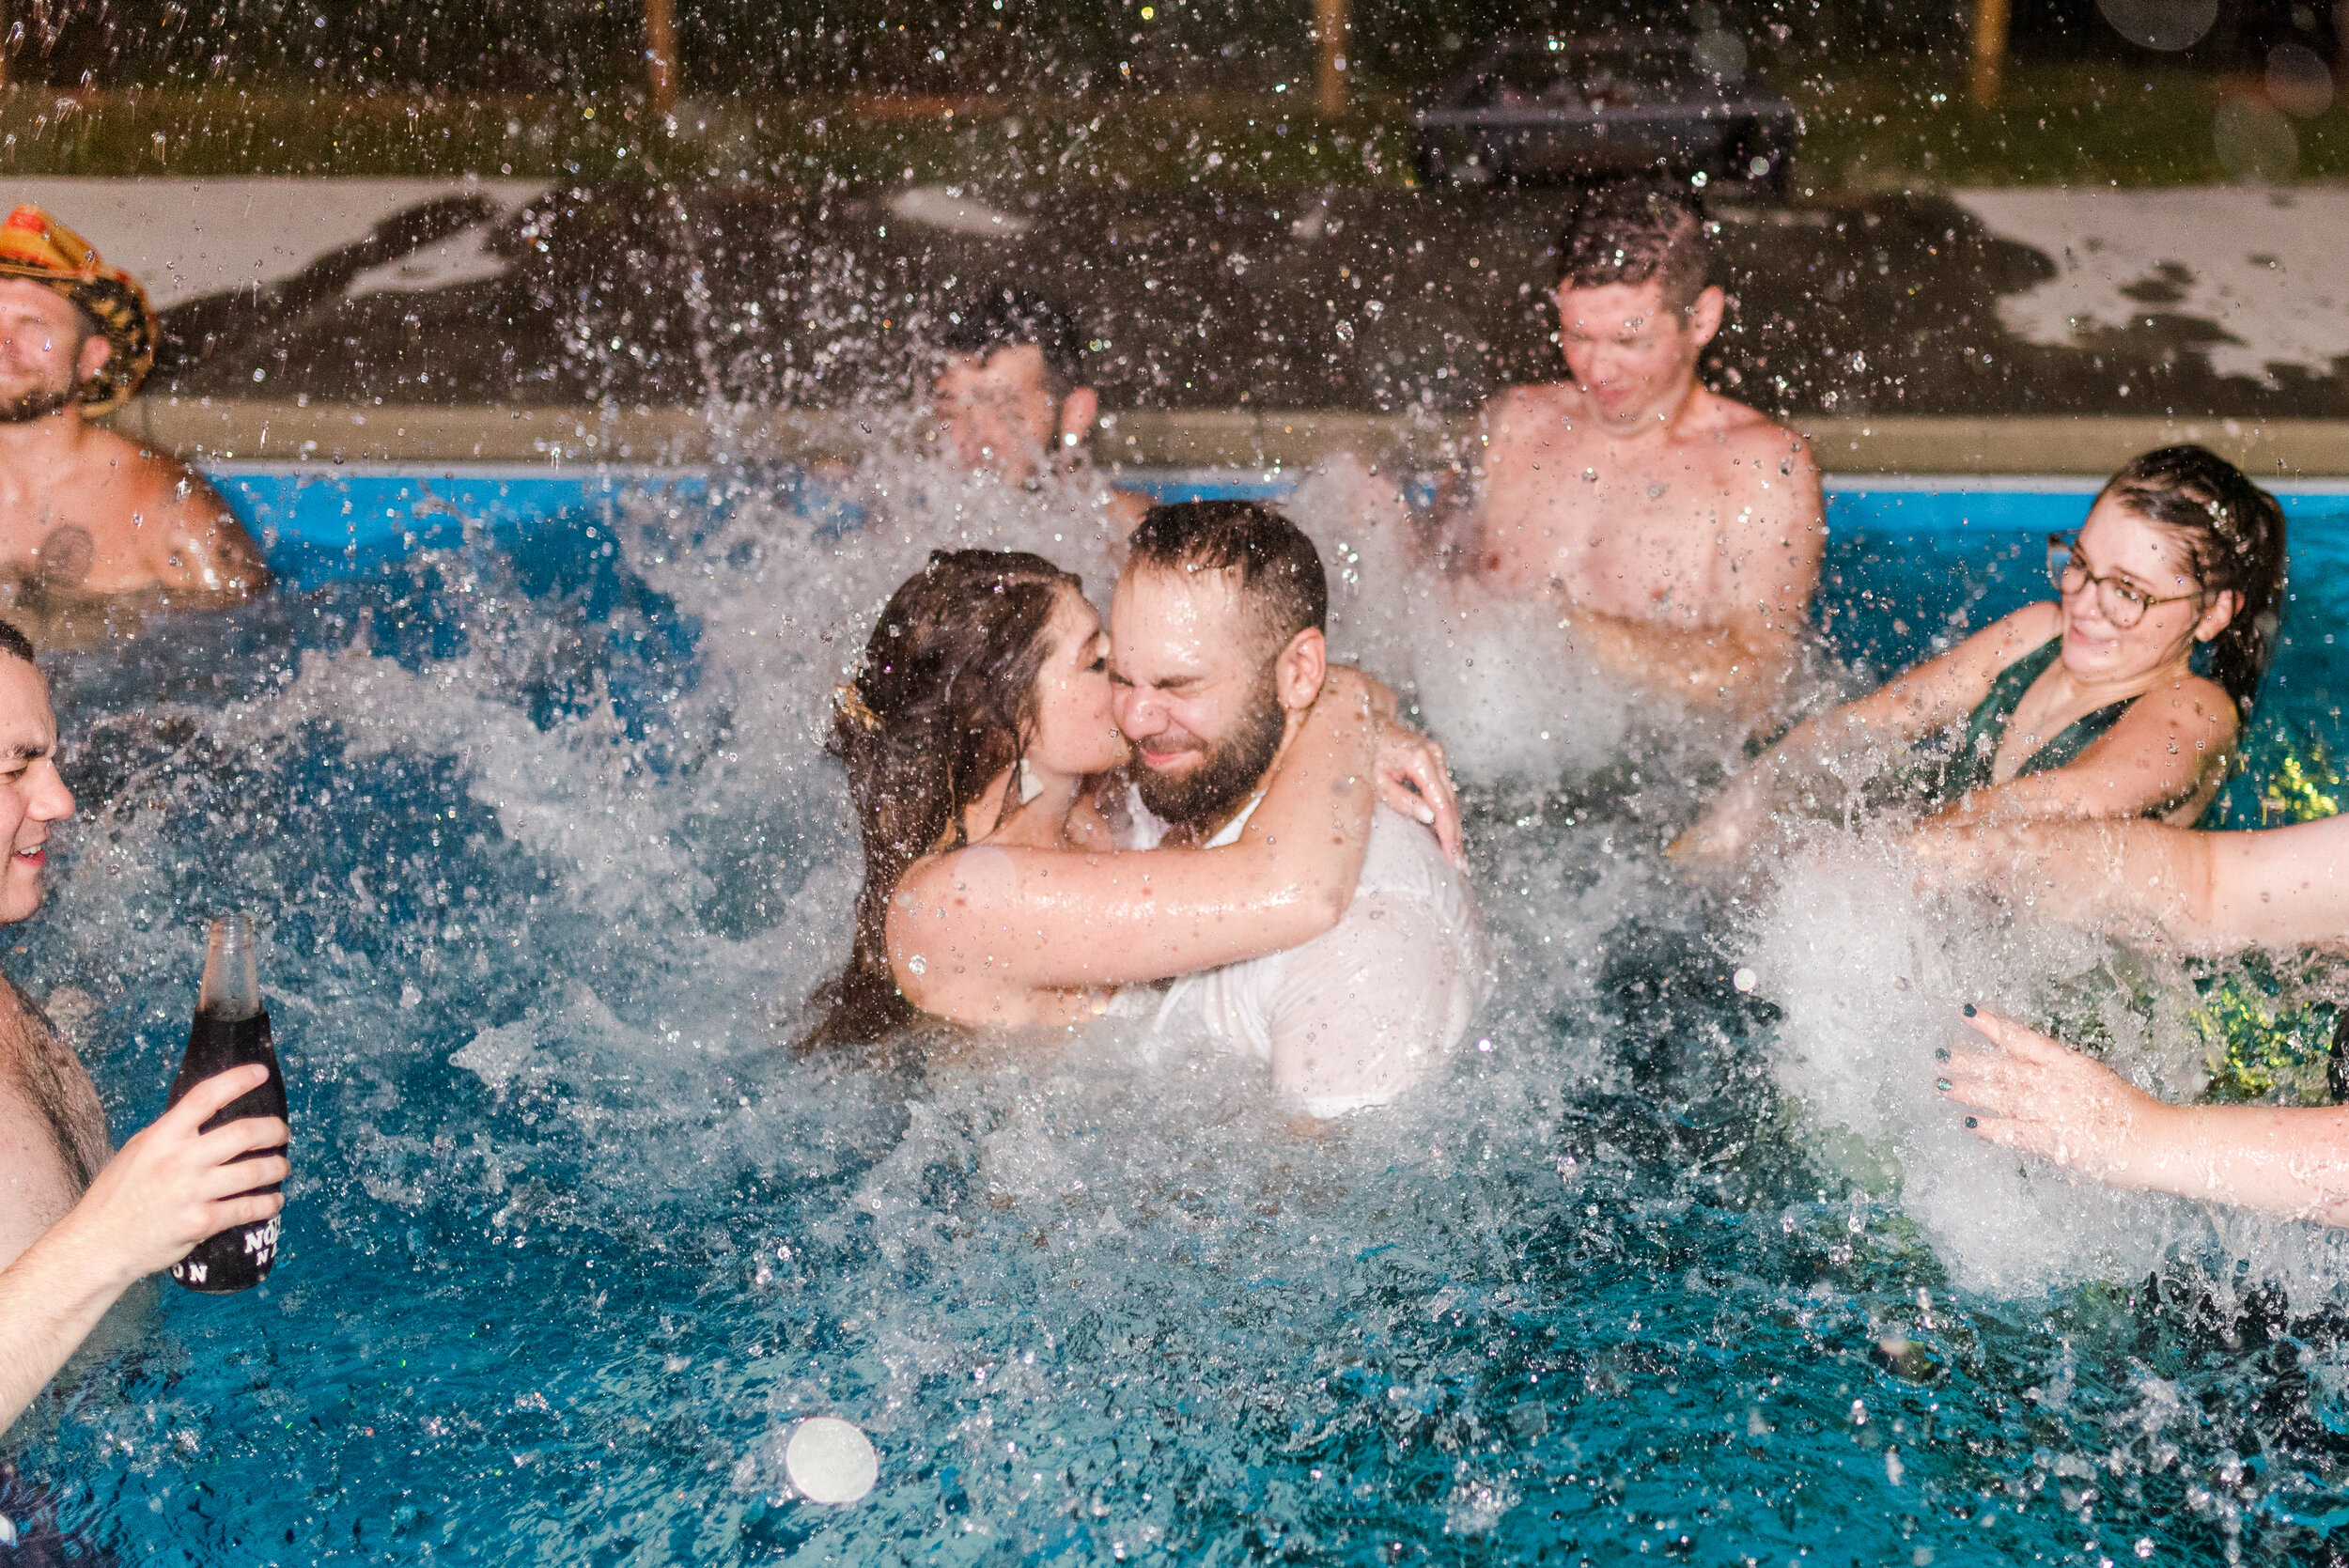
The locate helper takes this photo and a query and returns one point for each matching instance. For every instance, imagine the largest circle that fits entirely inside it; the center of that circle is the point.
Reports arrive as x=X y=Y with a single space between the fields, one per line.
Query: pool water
x=549 y=856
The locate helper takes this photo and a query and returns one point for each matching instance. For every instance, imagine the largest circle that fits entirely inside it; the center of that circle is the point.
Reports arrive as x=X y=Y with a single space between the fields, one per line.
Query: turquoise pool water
x=547 y=856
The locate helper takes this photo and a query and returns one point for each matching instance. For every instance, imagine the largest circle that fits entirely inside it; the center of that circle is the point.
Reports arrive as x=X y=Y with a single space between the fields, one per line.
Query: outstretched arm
x=1932 y=696
x=168 y=1189
x=2033 y=1094
x=1058 y=918
x=2208 y=892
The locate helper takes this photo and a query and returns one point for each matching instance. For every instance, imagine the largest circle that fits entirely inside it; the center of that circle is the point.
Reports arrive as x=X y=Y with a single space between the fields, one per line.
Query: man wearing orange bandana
x=86 y=514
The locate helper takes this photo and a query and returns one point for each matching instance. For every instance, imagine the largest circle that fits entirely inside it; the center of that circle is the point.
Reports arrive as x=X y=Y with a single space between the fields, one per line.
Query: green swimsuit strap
x=1971 y=768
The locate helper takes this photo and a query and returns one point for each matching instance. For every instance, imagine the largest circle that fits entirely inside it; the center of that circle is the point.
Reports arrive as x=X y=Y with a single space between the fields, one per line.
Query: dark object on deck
x=1570 y=108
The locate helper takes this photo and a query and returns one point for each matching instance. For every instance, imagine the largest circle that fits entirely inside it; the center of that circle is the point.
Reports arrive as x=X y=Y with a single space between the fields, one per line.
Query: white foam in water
x=501 y=1055
x=787 y=596
x=830 y=1460
x=1032 y=1249
x=1498 y=682
x=1510 y=699
x=1872 y=977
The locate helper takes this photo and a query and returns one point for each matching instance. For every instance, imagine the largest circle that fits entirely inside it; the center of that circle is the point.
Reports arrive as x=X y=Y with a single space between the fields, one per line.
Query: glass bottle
x=231 y=1030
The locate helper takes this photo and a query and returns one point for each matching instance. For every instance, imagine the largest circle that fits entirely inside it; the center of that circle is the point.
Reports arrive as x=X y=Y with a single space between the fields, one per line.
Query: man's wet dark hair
x=999 y=319
x=1633 y=230
x=1280 y=570
x=15 y=643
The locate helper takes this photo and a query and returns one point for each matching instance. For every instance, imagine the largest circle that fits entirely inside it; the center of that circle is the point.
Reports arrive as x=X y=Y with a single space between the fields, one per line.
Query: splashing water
x=550 y=858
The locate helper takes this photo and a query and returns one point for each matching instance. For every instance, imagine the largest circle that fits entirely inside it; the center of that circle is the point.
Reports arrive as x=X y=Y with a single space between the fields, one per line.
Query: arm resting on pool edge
x=2035 y=1094
x=166 y=1190
x=2280 y=888
x=1065 y=919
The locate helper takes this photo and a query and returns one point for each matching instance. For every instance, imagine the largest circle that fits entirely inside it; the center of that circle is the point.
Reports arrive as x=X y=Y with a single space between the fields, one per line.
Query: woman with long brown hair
x=972 y=734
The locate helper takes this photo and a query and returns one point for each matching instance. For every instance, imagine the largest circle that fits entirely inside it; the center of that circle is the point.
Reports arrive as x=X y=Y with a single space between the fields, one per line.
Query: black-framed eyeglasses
x=2123 y=604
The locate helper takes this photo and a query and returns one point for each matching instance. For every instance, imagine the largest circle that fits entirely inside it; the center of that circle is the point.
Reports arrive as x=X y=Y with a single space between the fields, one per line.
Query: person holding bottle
x=78 y=1227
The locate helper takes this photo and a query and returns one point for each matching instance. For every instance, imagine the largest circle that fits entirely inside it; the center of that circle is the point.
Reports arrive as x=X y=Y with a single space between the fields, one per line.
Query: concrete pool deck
x=2015 y=332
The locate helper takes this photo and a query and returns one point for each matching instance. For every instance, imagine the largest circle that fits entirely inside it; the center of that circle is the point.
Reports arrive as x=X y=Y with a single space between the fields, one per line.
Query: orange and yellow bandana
x=35 y=246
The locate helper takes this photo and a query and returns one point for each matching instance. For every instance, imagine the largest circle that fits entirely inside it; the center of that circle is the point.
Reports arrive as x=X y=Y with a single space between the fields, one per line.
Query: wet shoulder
x=979 y=876
x=2015 y=635
x=124 y=485
x=2198 y=699
x=1514 y=412
x=1405 y=858
x=1750 y=434
x=161 y=482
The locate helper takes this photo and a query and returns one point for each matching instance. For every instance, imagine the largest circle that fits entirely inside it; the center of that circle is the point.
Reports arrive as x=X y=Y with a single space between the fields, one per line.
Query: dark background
x=1046 y=46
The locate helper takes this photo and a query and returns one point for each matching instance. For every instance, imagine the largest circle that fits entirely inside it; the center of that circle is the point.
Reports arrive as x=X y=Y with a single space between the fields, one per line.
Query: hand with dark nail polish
x=1969 y=1009
x=1941 y=1053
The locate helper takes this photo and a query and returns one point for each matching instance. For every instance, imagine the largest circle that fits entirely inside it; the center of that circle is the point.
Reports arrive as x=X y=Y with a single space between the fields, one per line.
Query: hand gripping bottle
x=231 y=1030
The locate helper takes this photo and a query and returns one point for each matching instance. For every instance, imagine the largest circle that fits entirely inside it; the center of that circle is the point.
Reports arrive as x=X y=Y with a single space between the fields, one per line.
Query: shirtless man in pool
x=1677 y=532
x=87 y=515
x=78 y=1227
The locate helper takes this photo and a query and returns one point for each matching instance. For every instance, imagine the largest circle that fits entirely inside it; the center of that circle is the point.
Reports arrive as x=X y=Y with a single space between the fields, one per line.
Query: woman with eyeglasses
x=2088 y=704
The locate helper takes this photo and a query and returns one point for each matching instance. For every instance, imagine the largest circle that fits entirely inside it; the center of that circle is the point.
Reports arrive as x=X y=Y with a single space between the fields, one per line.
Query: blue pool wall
x=1904 y=555
x=1912 y=563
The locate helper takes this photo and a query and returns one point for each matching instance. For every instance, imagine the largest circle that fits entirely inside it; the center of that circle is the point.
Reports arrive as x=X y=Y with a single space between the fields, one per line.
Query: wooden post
x=660 y=54
x=1989 y=50
x=1333 y=27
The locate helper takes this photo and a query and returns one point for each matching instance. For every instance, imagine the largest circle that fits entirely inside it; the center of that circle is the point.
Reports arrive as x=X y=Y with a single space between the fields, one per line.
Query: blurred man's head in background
x=1011 y=394
x=1636 y=303
x=73 y=331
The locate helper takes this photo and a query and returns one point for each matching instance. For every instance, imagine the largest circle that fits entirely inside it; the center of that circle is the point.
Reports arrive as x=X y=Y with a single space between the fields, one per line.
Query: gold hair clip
x=851 y=702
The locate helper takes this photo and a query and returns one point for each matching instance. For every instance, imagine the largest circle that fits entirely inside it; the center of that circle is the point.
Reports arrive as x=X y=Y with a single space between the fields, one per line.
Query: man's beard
x=26 y=407
x=1226 y=775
